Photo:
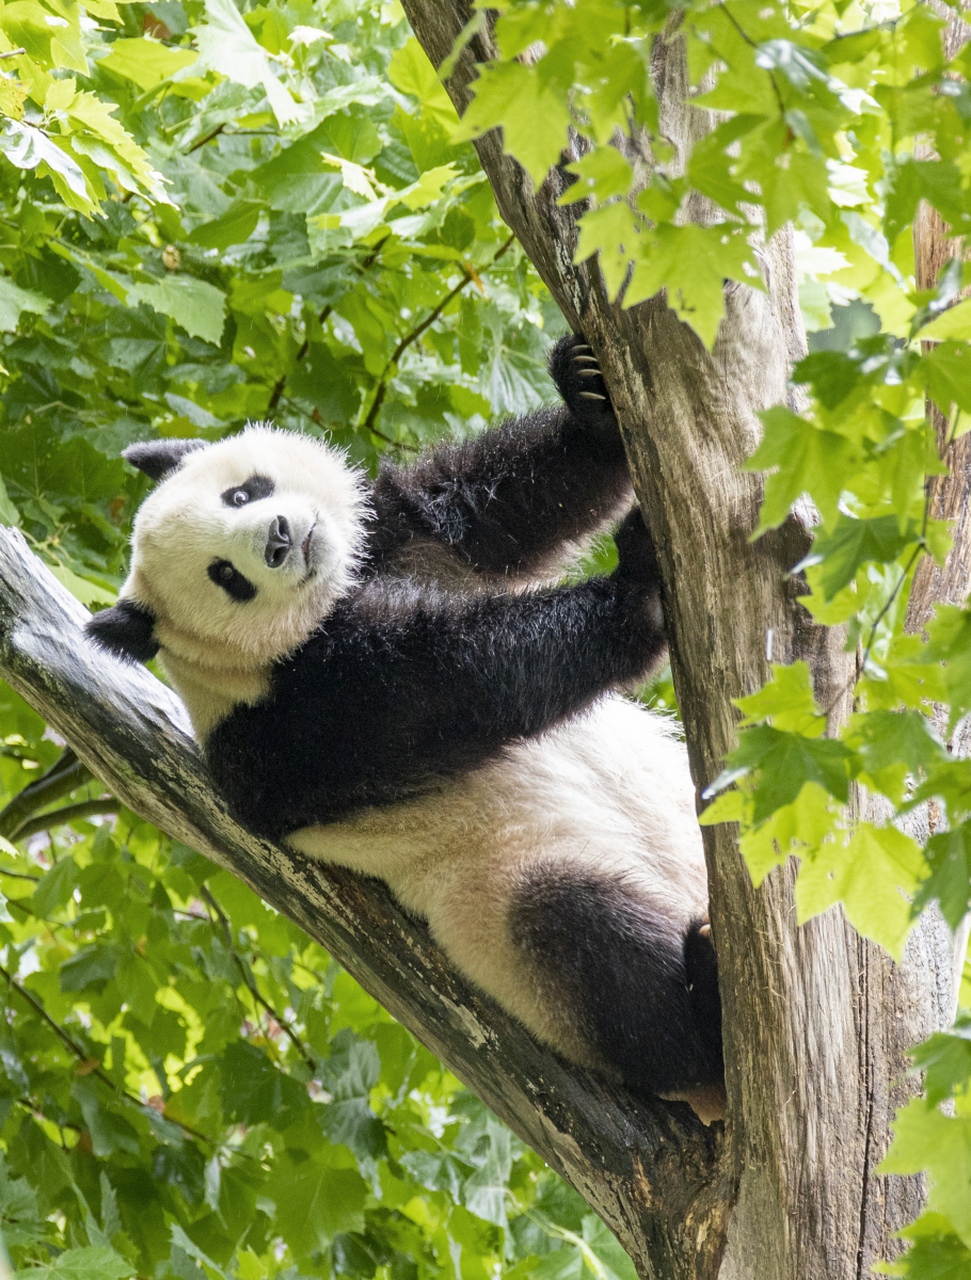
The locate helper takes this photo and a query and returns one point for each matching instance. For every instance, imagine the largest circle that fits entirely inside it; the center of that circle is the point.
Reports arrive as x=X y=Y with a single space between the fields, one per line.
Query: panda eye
x=225 y=574
x=251 y=490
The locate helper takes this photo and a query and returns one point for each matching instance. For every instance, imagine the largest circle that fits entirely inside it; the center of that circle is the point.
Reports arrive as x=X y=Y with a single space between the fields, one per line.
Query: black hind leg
x=645 y=997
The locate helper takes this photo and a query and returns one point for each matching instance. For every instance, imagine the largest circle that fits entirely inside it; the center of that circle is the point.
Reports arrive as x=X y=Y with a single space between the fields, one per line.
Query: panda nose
x=277 y=543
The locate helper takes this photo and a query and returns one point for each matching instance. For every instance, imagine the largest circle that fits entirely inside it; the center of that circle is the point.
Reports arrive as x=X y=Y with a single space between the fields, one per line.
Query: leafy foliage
x=272 y=212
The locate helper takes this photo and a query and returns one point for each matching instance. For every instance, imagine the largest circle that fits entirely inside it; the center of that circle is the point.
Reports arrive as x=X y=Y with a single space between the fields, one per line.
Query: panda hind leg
x=643 y=996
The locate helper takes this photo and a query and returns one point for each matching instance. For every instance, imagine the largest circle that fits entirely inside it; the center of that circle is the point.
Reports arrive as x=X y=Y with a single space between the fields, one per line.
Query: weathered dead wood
x=644 y=1166
x=817 y=1021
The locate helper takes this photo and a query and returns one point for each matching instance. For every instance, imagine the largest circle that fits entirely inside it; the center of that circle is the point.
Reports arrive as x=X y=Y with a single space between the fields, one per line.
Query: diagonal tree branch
x=648 y=1168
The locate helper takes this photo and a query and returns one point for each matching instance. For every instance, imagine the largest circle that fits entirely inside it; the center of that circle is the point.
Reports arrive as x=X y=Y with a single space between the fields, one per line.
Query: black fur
x=158 y=458
x=402 y=687
x=126 y=630
x=622 y=966
x=236 y=585
x=508 y=500
x=251 y=490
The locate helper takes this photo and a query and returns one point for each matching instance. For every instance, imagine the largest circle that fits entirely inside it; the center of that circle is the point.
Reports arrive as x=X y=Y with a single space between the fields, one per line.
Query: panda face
x=244 y=547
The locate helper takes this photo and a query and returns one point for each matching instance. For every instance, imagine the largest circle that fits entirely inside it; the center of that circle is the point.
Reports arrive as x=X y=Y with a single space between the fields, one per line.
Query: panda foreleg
x=642 y=987
x=512 y=501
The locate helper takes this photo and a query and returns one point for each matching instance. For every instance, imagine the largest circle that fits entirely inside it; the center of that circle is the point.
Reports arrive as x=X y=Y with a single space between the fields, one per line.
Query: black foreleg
x=510 y=501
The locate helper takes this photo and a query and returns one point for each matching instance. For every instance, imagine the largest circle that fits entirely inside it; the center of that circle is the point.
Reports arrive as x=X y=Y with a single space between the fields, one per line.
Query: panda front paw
x=574 y=369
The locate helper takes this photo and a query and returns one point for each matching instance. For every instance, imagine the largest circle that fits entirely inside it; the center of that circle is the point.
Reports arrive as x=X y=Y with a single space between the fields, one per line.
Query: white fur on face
x=186 y=526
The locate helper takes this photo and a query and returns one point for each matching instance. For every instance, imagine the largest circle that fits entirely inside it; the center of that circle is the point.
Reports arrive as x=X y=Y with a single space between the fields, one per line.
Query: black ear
x=157 y=458
x=126 y=630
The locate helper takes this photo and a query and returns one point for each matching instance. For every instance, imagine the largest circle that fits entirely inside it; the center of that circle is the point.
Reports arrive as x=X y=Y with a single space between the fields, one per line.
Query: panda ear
x=158 y=458
x=126 y=630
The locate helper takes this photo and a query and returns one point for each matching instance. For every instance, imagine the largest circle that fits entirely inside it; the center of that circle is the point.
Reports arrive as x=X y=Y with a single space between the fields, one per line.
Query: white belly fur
x=608 y=791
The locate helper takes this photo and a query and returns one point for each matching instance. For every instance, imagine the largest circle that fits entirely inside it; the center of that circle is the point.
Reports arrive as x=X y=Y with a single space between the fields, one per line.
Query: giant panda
x=381 y=676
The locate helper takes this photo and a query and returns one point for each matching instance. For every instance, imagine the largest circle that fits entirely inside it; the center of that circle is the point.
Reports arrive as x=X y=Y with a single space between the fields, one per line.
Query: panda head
x=238 y=553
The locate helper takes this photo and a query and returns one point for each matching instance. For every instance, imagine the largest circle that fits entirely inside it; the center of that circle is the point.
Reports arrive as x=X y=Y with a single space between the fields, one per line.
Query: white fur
x=213 y=657
x=585 y=794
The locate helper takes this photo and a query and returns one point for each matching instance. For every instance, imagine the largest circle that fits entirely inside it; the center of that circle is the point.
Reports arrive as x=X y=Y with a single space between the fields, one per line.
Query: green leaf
x=875 y=875
x=953 y=323
x=935 y=1252
x=27 y=147
x=949 y=881
x=14 y=301
x=81 y=1264
x=947 y=372
x=227 y=45
x=949 y=633
x=234 y=227
x=89 y=969
x=314 y=1203
x=55 y=887
x=804 y=459
x=785 y=762
x=533 y=114
x=197 y=306
x=254 y=1091
x=945 y=1060
x=797 y=828
x=854 y=543
x=146 y=62
x=692 y=263
x=927 y=1139
x=786 y=701
x=893 y=744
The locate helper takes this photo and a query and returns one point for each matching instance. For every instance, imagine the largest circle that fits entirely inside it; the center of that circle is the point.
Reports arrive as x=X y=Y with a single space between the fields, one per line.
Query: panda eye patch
x=250 y=490
x=225 y=574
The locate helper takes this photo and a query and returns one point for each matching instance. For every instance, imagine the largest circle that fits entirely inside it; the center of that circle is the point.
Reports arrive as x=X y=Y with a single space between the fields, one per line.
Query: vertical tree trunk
x=817 y=1021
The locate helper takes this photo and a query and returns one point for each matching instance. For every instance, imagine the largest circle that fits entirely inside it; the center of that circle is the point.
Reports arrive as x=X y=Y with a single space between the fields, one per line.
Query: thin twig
x=86 y=1058
x=281 y=382
x=65 y=775
x=201 y=142
x=69 y=813
x=13 y=53
x=295 y=1040
x=467 y=277
x=749 y=41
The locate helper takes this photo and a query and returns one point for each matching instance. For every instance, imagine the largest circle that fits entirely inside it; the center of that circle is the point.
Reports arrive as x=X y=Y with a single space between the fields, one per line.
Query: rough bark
x=817 y=1021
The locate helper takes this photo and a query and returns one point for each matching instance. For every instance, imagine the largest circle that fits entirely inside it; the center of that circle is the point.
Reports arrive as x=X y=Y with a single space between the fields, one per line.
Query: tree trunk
x=817 y=1021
